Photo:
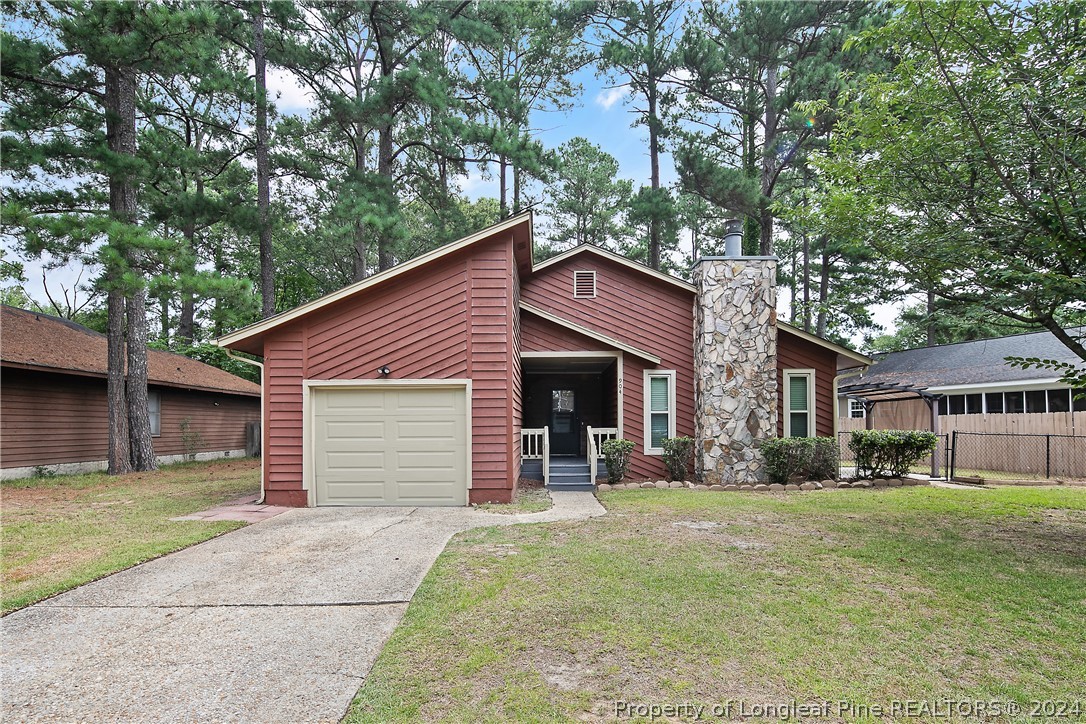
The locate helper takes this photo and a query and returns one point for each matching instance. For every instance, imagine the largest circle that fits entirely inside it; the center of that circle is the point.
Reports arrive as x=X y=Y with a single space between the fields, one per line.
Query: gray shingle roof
x=978 y=362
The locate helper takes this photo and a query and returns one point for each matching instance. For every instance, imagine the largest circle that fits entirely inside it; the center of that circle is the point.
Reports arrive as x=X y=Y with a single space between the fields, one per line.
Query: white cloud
x=292 y=97
x=610 y=96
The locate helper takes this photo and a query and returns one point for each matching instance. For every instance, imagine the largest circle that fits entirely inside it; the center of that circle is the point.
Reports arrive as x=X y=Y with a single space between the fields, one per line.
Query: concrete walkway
x=278 y=621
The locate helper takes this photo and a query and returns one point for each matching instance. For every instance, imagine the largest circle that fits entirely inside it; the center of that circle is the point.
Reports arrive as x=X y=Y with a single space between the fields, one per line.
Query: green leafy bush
x=677 y=452
x=889 y=452
x=790 y=459
x=616 y=455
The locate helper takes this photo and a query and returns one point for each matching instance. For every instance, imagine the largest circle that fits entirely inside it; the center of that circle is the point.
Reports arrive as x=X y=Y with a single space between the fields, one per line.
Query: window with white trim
x=584 y=284
x=799 y=403
x=856 y=409
x=659 y=409
x=154 y=412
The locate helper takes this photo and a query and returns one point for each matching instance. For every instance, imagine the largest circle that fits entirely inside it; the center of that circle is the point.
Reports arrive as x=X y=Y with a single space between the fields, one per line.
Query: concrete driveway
x=278 y=621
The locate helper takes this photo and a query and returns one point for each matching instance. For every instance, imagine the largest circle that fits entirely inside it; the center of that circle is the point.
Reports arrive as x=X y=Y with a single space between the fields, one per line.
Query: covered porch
x=572 y=403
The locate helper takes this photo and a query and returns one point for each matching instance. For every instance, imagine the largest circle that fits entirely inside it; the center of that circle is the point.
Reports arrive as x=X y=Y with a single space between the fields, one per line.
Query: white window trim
x=812 y=403
x=156 y=395
x=592 y=276
x=647 y=409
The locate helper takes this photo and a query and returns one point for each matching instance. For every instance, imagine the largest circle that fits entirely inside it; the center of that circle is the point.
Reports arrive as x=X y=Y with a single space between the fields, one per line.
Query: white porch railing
x=596 y=437
x=535 y=444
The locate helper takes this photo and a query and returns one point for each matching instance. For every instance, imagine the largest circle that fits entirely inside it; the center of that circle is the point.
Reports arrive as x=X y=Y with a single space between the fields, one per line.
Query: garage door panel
x=404 y=446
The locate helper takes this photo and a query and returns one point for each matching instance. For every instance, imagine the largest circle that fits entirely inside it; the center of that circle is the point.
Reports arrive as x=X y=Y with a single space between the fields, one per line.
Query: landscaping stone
x=844 y=484
x=776 y=487
x=808 y=486
x=603 y=487
x=818 y=485
x=731 y=488
x=701 y=487
x=676 y=484
x=894 y=482
x=792 y=486
x=910 y=481
x=862 y=484
x=662 y=484
x=746 y=487
x=829 y=483
x=879 y=483
x=761 y=486
x=716 y=487
x=647 y=485
x=735 y=367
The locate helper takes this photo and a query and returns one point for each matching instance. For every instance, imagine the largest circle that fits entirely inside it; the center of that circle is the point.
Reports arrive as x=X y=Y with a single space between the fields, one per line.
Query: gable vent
x=584 y=284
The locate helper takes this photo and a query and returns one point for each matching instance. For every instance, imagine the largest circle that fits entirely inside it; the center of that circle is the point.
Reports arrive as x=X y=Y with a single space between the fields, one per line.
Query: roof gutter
x=263 y=443
x=841 y=375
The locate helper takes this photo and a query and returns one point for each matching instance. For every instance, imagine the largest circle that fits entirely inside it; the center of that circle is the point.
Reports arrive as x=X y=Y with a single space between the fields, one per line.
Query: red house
x=444 y=379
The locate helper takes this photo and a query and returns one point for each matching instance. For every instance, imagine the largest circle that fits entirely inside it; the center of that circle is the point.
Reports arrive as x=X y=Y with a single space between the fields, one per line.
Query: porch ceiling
x=554 y=365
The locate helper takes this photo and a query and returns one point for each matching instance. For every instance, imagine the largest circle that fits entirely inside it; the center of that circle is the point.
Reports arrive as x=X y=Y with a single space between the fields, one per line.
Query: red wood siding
x=448 y=320
x=39 y=410
x=796 y=353
x=632 y=307
x=540 y=335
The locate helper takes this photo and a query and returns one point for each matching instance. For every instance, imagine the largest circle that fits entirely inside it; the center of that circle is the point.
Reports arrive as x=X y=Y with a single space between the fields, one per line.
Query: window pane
x=154 y=412
x=1015 y=401
x=797 y=393
x=1059 y=400
x=972 y=404
x=562 y=400
x=1035 y=401
x=658 y=429
x=797 y=424
x=957 y=404
x=856 y=408
x=1080 y=401
x=658 y=401
x=994 y=400
x=944 y=408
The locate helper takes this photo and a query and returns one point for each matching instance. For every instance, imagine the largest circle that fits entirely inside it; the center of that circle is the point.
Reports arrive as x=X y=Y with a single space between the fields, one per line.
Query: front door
x=565 y=425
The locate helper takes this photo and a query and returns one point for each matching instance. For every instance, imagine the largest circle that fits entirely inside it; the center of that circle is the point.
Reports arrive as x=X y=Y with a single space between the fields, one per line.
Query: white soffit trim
x=589 y=333
x=815 y=339
x=303 y=309
x=606 y=254
x=1047 y=383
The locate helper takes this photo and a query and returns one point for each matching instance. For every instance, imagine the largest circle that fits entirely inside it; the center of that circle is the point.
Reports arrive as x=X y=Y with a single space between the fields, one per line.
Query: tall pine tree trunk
x=654 y=160
x=516 y=190
x=139 y=420
x=503 y=204
x=765 y=215
x=385 y=258
x=806 y=283
x=120 y=106
x=823 y=288
x=931 y=341
x=361 y=249
x=263 y=173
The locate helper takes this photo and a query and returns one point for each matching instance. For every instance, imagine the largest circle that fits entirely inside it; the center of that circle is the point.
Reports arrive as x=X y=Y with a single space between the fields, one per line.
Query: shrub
x=616 y=455
x=677 y=452
x=889 y=452
x=800 y=458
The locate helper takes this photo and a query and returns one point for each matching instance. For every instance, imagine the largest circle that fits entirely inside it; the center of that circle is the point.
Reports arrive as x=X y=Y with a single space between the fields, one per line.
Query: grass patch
x=531 y=497
x=60 y=532
x=867 y=596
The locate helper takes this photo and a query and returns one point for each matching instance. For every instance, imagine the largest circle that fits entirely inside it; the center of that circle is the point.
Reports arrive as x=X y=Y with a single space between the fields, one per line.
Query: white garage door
x=398 y=446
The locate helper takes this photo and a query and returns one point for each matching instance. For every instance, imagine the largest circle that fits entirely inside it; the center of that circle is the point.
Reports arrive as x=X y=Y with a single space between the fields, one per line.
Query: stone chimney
x=735 y=364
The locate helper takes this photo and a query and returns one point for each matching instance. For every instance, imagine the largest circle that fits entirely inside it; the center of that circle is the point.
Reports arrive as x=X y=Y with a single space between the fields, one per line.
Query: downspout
x=263 y=442
x=843 y=374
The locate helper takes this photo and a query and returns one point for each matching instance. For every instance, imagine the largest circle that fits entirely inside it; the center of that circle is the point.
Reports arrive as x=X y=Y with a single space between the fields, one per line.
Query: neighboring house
x=977 y=388
x=53 y=411
x=439 y=381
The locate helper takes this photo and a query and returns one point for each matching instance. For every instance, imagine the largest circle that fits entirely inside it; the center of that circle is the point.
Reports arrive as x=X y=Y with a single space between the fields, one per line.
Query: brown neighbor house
x=444 y=379
x=53 y=412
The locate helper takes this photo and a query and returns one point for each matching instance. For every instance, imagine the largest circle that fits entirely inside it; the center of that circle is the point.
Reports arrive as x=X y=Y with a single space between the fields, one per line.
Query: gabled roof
x=521 y=225
x=31 y=340
x=609 y=341
x=972 y=363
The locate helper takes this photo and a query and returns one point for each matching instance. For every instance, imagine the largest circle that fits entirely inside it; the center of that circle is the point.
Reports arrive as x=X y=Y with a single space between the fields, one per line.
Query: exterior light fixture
x=384 y=371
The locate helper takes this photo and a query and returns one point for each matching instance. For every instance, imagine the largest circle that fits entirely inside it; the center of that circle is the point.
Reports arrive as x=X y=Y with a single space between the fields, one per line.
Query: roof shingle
x=41 y=341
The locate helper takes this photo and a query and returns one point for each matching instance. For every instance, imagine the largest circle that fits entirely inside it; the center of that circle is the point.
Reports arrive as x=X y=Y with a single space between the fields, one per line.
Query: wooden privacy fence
x=1012 y=456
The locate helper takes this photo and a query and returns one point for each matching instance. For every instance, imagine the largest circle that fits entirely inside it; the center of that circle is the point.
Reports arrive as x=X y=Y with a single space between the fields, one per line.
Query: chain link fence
x=923 y=467
x=1017 y=456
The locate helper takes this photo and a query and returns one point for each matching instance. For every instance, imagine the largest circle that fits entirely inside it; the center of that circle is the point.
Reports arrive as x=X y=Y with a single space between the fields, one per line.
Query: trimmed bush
x=677 y=452
x=616 y=456
x=889 y=452
x=791 y=459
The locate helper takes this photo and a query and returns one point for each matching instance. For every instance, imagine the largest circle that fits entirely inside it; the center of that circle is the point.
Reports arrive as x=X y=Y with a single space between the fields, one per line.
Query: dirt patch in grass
x=531 y=497
x=60 y=532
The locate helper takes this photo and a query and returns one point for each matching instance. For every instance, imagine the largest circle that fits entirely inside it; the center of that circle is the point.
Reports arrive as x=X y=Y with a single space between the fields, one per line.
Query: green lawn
x=59 y=532
x=866 y=596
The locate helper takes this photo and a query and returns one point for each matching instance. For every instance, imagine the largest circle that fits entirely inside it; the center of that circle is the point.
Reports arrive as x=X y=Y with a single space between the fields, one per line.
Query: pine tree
x=586 y=201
